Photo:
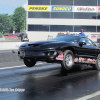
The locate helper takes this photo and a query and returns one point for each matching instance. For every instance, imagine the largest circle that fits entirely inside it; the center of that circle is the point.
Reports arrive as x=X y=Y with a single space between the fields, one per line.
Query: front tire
x=97 y=65
x=29 y=62
x=68 y=60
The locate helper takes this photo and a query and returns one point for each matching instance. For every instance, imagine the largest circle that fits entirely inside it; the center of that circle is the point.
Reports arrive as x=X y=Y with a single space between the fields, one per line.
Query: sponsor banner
x=93 y=36
x=61 y=8
x=98 y=9
x=38 y=8
x=85 y=60
x=85 y=9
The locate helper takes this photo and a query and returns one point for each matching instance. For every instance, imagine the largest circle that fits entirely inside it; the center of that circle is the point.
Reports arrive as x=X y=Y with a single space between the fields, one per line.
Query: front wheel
x=29 y=62
x=97 y=65
x=68 y=60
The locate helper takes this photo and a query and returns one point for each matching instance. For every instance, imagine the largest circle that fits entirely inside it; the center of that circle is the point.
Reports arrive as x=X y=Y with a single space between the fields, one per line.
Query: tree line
x=15 y=22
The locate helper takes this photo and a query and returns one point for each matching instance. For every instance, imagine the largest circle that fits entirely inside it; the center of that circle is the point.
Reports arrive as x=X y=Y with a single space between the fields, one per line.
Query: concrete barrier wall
x=10 y=45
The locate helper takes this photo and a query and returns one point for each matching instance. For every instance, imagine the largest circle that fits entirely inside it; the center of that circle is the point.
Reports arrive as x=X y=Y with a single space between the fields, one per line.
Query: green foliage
x=16 y=22
x=5 y=23
x=19 y=19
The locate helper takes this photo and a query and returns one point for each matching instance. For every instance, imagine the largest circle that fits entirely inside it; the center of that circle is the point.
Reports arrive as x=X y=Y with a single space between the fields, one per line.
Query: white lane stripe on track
x=89 y=96
x=18 y=66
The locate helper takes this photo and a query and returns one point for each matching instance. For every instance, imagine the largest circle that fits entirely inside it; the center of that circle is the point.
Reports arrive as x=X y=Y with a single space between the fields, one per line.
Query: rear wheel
x=68 y=60
x=29 y=62
x=97 y=65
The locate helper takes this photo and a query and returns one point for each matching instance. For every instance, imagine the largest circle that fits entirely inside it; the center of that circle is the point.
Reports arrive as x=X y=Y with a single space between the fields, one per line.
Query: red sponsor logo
x=76 y=60
x=84 y=59
x=60 y=57
x=94 y=61
x=98 y=9
x=85 y=9
x=89 y=59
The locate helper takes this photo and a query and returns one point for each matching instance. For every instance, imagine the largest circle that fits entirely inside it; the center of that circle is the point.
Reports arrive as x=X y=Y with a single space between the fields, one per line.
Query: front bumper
x=38 y=55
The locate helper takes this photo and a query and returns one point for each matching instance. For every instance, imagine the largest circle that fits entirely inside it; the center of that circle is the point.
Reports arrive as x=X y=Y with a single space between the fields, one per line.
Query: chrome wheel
x=69 y=60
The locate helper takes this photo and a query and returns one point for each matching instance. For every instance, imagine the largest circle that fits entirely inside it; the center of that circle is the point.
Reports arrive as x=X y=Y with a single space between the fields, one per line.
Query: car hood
x=48 y=43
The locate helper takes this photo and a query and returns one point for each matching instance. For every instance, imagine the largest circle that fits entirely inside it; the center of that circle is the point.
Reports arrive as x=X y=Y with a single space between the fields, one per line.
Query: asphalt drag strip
x=9 y=56
x=41 y=81
x=46 y=81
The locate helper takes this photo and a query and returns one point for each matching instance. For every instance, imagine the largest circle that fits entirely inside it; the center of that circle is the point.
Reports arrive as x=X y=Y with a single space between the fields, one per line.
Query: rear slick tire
x=68 y=60
x=29 y=62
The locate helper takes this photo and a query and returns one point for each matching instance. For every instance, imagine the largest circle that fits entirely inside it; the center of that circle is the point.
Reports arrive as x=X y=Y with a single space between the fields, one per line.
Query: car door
x=88 y=49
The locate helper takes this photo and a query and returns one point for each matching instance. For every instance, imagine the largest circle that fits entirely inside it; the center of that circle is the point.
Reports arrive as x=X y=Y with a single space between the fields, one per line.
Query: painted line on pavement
x=89 y=96
x=19 y=66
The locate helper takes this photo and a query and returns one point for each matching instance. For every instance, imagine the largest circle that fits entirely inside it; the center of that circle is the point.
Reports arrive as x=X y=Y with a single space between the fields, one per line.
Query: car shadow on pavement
x=76 y=68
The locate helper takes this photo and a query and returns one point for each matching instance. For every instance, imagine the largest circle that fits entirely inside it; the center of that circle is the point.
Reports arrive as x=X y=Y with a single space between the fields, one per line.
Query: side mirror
x=82 y=43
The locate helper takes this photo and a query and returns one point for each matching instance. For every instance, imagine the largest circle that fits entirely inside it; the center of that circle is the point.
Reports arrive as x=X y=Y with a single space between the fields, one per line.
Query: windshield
x=67 y=38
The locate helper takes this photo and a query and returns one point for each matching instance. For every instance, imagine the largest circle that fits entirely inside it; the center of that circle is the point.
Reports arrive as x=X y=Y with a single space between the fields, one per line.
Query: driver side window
x=87 y=41
x=82 y=40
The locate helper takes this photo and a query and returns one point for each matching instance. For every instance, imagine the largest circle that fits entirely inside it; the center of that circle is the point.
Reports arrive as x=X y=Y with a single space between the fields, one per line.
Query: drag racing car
x=66 y=50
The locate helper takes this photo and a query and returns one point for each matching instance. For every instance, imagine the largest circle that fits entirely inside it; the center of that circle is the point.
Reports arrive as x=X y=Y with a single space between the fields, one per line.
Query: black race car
x=66 y=50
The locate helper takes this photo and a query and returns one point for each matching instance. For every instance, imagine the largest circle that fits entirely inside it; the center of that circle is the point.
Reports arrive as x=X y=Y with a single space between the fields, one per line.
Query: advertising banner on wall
x=93 y=36
x=62 y=8
x=38 y=8
x=85 y=9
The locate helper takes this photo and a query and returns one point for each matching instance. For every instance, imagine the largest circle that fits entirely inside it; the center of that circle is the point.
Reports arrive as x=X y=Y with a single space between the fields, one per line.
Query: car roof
x=74 y=36
x=78 y=36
